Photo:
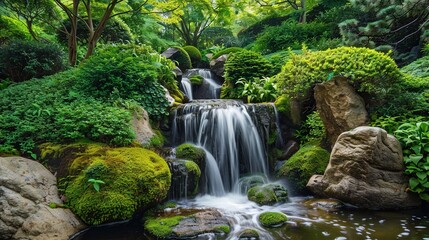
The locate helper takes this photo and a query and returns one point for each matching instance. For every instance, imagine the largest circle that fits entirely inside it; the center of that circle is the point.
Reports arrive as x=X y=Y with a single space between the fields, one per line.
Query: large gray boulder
x=141 y=126
x=340 y=107
x=217 y=66
x=366 y=169
x=26 y=190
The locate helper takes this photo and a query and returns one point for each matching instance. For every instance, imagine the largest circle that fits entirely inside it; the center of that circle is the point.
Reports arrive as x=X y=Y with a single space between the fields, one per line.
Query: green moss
x=196 y=80
x=308 y=161
x=135 y=178
x=191 y=152
x=157 y=141
x=194 y=174
x=194 y=54
x=182 y=59
x=283 y=104
x=224 y=229
x=272 y=219
x=162 y=227
x=267 y=194
x=249 y=234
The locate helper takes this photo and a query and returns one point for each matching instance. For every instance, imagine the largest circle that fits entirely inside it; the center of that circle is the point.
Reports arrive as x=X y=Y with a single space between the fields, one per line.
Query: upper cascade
x=208 y=89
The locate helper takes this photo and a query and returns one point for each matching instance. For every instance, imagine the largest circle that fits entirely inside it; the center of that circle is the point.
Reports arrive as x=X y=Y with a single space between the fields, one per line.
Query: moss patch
x=196 y=80
x=272 y=219
x=191 y=152
x=308 y=161
x=224 y=229
x=268 y=194
x=162 y=227
x=135 y=178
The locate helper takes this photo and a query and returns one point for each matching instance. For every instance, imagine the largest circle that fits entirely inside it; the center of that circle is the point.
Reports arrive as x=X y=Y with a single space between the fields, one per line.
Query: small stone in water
x=325 y=234
x=382 y=221
x=420 y=227
x=340 y=238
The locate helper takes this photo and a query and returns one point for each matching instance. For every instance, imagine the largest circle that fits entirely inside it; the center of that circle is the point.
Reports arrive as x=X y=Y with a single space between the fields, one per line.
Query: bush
x=312 y=129
x=368 y=71
x=182 y=59
x=308 y=161
x=418 y=68
x=194 y=54
x=23 y=60
x=414 y=139
x=258 y=90
x=48 y=109
x=278 y=59
x=227 y=51
x=126 y=72
x=243 y=64
x=292 y=35
x=135 y=179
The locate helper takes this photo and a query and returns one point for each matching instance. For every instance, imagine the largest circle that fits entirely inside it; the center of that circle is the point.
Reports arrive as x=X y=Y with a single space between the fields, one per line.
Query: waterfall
x=224 y=128
x=209 y=89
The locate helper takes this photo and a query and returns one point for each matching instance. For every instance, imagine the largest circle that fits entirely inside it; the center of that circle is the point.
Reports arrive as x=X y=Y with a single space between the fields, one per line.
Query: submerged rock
x=268 y=194
x=340 y=107
x=325 y=204
x=26 y=191
x=248 y=234
x=366 y=169
x=188 y=224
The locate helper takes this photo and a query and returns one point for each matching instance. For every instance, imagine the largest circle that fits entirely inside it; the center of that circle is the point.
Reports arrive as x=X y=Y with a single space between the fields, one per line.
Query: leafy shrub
x=227 y=51
x=292 y=34
x=308 y=161
x=368 y=71
x=23 y=60
x=258 y=89
x=312 y=129
x=127 y=72
x=182 y=59
x=194 y=54
x=418 y=68
x=392 y=123
x=12 y=29
x=278 y=59
x=415 y=144
x=243 y=64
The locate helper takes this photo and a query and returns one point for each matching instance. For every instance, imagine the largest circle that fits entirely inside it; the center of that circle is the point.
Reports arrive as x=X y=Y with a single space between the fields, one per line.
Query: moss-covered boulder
x=248 y=234
x=129 y=179
x=268 y=194
x=194 y=55
x=185 y=178
x=191 y=152
x=272 y=219
x=308 y=161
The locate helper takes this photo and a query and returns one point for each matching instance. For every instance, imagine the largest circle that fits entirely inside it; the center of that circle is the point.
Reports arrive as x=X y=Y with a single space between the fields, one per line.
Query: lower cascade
x=225 y=129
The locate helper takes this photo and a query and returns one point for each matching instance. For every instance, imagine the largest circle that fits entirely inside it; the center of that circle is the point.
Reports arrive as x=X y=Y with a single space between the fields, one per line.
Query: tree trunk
x=30 y=29
x=72 y=41
x=303 y=16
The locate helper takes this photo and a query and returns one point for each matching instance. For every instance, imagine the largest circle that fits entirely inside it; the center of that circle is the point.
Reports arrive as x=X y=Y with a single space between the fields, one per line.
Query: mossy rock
x=196 y=80
x=248 y=234
x=308 y=161
x=182 y=59
x=135 y=178
x=247 y=182
x=268 y=194
x=194 y=54
x=184 y=173
x=272 y=219
x=283 y=106
x=191 y=152
x=162 y=227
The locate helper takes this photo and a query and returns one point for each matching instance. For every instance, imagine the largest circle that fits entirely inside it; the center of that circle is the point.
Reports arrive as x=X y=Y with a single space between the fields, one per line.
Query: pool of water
x=304 y=222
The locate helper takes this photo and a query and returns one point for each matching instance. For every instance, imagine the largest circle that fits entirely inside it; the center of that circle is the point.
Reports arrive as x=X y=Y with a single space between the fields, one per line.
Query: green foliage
x=12 y=29
x=96 y=183
x=227 y=51
x=217 y=36
x=272 y=219
x=258 y=89
x=127 y=72
x=392 y=123
x=191 y=152
x=194 y=54
x=367 y=70
x=418 y=68
x=312 y=129
x=182 y=59
x=415 y=144
x=23 y=60
x=278 y=59
x=135 y=178
x=292 y=34
x=223 y=229
x=196 y=80
x=161 y=227
x=308 y=161
x=283 y=104
x=243 y=64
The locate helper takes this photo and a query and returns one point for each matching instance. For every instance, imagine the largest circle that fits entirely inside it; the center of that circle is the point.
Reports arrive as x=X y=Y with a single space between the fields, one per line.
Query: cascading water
x=224 y=128
x=209 y=89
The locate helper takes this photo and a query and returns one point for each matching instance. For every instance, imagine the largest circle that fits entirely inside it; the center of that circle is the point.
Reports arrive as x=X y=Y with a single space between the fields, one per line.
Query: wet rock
x=207 y=221
x=366 y=169
x=217 y=66
x=192 y=152
x=141 y=126
x=325 y=204
x=26 y=190
x=340 y=107
x=248 y=234
x=290 y=149
x=268 y=194
x=245 y=183
x=185 y=176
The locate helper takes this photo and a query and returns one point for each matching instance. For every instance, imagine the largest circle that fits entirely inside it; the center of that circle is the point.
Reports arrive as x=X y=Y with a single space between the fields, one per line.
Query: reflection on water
x=305 y=222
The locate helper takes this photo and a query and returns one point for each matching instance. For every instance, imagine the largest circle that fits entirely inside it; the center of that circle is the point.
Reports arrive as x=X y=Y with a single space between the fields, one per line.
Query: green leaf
x=415 y=158
x=96 y=187
x=421 y=175
x=34 y=156
x=414 y=182
x=424 y=196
